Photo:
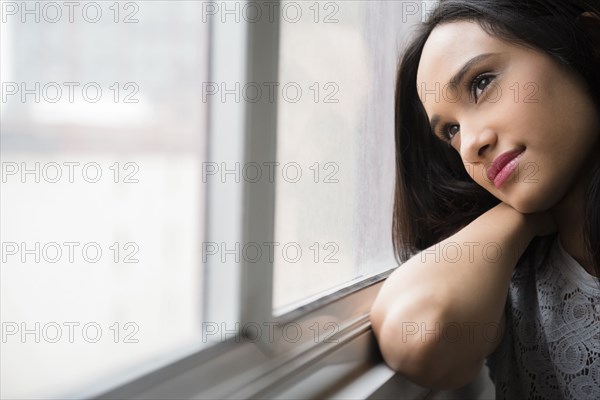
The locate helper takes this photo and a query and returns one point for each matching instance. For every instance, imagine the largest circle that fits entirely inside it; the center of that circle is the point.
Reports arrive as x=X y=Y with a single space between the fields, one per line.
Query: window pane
x=103 y=137
x=335 y=144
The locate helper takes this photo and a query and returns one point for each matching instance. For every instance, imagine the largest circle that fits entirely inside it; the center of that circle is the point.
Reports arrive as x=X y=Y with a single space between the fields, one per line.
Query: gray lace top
x=551 y=347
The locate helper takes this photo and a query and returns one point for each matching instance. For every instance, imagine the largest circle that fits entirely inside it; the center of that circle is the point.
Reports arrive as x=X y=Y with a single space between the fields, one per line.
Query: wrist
x=525 y=227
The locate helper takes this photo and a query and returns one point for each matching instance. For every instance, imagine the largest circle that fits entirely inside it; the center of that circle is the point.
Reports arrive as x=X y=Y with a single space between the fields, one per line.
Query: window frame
x=259 y=201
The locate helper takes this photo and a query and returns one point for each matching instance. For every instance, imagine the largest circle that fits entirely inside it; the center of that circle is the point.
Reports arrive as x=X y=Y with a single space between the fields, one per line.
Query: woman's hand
x=540 y=223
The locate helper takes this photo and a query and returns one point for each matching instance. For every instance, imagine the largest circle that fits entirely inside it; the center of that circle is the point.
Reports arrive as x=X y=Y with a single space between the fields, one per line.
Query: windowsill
x=349 y=366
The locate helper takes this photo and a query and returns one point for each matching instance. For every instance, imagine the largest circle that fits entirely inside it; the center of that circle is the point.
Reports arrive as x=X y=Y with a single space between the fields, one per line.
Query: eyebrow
x=457 y=79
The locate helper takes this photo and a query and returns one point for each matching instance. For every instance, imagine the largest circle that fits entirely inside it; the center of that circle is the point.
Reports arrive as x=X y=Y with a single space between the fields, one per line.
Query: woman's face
x=523 y=125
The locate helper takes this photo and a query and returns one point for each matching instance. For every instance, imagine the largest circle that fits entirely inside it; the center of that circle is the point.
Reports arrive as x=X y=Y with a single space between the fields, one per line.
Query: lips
x=503 y=166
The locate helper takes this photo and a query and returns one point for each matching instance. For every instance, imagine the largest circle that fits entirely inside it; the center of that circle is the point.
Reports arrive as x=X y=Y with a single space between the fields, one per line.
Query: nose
x=476 y=141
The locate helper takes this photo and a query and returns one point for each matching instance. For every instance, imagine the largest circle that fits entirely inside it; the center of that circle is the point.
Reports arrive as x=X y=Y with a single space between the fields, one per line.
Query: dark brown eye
x=452 y=130
x=479 y=85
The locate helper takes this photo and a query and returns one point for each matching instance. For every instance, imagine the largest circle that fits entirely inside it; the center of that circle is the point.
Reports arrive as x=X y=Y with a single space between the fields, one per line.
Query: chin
x=526 y=208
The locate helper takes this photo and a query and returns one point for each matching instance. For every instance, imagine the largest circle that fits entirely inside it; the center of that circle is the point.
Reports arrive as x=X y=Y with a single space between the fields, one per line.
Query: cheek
x=536 y=99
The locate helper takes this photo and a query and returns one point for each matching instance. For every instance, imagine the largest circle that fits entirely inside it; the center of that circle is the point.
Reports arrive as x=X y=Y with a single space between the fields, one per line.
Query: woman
x=498 y=188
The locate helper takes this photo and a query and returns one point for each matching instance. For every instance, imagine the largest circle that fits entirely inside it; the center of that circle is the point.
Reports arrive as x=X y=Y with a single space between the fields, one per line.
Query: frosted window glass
x=335 y=126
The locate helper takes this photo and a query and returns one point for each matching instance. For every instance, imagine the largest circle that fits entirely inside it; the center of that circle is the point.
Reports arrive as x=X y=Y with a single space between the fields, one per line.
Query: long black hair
x=434 y=195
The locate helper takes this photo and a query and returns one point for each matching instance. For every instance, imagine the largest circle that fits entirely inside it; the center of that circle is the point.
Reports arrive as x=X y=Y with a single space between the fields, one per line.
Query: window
x=176 y=173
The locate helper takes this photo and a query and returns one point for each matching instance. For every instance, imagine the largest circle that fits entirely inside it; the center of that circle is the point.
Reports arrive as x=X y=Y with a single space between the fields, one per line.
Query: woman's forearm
x=441 y=313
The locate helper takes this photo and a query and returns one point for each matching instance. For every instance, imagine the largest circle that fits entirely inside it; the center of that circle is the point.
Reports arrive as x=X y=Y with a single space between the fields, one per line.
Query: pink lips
x=503 y=167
